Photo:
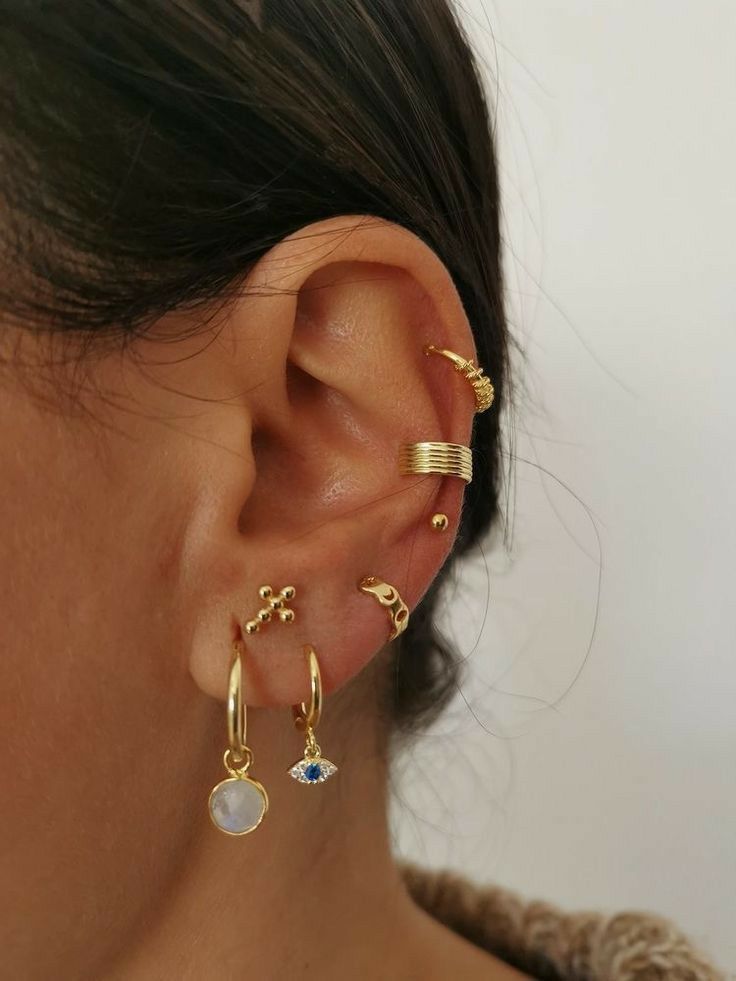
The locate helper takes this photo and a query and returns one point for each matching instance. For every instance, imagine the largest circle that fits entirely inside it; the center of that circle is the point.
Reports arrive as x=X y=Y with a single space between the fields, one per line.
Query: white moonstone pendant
x=237 y=805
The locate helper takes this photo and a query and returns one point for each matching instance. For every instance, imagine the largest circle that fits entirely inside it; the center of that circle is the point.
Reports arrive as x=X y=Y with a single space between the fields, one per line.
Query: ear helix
x=428 y=457
x=450 y=459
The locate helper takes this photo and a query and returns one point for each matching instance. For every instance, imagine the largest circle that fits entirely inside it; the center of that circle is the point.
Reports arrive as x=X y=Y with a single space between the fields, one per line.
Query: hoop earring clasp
x=237 y=722
x=307 y=717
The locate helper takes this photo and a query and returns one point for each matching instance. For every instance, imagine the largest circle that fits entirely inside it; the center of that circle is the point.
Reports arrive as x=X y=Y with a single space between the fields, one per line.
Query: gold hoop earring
x=388 y=596
x=450 y=459
x=275 y=604
x=237 y=804
x=482 y=387
x=313 y=767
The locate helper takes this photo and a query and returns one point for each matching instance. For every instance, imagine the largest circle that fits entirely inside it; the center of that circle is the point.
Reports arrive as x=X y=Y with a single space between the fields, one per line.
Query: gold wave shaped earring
x=313 y=768
x=238 y=804
x=389 y=597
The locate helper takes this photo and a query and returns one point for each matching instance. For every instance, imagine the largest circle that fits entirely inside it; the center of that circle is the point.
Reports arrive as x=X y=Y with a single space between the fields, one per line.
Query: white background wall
x=617 y=134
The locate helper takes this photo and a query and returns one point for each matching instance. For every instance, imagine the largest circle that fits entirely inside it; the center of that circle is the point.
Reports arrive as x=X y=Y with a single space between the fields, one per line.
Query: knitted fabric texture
x=552 y=945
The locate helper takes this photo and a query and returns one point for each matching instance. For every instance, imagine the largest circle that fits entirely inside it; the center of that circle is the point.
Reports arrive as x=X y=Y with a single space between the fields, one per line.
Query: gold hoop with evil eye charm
x=313 y=768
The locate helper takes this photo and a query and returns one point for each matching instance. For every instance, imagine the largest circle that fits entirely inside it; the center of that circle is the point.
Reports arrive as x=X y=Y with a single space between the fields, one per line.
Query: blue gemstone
x=313 y=771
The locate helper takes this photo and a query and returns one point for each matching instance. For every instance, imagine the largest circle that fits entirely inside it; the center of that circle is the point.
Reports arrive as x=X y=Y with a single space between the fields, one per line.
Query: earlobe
x=345 y=310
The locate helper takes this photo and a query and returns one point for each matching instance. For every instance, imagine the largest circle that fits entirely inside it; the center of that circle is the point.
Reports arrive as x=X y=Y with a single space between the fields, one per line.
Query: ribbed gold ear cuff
x=451 y=459
x=482 y=386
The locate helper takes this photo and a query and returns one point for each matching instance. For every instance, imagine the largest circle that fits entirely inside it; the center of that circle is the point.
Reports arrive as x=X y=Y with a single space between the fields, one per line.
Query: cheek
x=79 y=597
x=93 y=679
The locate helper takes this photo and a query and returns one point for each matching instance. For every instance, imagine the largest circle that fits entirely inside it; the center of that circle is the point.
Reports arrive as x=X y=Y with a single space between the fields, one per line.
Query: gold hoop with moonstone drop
x=313 y=768
x=237 y=805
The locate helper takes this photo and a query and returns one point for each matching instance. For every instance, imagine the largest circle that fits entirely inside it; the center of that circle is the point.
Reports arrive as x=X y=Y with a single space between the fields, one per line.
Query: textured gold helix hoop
x=274 y=604
x=237 y=804
x=312 y=767
x=445 y=458
x=388 y=596
x=482 y=386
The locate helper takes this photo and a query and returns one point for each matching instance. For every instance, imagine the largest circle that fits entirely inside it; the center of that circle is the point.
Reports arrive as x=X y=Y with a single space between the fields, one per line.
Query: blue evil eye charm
x=312 y=769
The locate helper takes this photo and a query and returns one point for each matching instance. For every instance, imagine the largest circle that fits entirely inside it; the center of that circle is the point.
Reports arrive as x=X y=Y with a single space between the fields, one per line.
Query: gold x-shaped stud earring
x=275 y=604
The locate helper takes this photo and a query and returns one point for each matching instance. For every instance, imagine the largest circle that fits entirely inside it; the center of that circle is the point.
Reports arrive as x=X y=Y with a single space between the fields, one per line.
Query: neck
x=314 y=885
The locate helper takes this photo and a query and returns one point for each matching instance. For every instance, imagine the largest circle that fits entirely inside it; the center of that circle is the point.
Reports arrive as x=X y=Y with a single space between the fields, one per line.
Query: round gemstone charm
x=237 y=805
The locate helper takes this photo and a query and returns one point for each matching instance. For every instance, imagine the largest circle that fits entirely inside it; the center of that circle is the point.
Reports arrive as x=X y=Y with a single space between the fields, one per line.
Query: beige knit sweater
x=551 y=945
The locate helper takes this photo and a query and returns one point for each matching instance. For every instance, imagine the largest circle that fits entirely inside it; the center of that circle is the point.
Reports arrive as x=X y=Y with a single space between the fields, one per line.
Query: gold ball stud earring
x=237 y=804
x=388 y=596
x=440 y=522
x=313 y=767
x=275 y=604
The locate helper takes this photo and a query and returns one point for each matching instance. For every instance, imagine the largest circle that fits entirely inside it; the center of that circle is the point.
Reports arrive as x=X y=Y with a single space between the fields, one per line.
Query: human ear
x=327 y=338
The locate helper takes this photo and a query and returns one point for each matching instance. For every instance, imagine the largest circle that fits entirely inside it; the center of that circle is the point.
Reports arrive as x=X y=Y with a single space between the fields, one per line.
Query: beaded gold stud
x=440 y=522
x=275 y=604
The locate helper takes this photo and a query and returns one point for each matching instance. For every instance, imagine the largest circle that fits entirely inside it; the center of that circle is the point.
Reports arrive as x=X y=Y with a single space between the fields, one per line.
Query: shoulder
x=547 y=942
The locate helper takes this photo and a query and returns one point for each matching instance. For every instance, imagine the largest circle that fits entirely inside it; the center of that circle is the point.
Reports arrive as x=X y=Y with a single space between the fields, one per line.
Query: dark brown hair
x=152 y=150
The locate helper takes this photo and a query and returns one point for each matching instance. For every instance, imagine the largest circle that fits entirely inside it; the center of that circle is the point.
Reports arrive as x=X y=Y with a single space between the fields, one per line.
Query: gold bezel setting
x=220 y=790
